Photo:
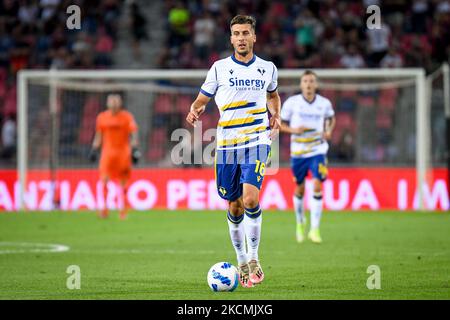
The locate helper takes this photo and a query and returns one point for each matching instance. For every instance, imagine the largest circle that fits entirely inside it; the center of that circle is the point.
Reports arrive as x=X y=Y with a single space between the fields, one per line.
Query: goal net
x=383 y=118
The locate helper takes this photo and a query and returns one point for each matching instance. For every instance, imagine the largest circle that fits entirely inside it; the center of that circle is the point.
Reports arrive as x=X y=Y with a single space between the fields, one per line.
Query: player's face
x=308 y=84
x=114 y=102
x=242 y=38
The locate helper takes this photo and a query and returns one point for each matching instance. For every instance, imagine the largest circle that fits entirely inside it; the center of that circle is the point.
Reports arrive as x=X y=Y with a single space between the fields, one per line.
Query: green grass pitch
x=166 y=255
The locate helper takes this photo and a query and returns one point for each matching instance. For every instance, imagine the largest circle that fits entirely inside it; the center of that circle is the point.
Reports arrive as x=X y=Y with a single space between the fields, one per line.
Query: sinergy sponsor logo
x=254 y=83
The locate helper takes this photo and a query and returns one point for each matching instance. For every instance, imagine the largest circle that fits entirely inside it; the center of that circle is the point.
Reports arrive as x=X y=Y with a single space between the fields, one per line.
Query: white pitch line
x=147 y=251
x=31 y=247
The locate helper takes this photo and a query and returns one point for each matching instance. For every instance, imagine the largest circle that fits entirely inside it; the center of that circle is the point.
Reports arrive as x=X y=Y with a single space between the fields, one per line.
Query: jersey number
x=260 y=167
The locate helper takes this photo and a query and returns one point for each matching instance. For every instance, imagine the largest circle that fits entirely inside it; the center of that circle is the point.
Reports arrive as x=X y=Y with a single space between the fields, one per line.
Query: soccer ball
x=223 y=276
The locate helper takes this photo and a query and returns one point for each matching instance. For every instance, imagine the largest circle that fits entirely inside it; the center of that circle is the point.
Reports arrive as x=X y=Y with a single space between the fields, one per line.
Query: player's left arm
x=330 y=123
x=135 y=152
x=134 y=141
x=274 y=106
x=274 y=103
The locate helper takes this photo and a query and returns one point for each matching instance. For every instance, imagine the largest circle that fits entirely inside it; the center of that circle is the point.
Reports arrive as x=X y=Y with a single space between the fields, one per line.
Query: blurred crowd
x=34 y=35
x=292 y=34
x=312 y=34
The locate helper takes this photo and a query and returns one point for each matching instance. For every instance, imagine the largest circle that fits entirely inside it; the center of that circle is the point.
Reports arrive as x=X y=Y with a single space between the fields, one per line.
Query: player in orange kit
x=113 y=130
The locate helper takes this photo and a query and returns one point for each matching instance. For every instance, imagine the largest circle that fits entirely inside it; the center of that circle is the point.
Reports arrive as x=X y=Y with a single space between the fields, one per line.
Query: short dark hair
x=307 y=73
x=243 y=19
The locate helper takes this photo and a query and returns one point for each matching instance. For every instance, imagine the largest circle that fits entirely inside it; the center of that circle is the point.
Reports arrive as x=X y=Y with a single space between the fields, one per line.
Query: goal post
x=446 y=87
x=344 y=79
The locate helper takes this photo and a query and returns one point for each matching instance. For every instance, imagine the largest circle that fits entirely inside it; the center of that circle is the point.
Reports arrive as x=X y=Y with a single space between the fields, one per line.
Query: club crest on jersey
x=222 y=191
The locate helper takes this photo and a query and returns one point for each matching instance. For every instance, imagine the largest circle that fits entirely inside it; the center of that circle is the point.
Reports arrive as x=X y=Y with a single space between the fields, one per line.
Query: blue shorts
x=317 y=164
x=235 y=167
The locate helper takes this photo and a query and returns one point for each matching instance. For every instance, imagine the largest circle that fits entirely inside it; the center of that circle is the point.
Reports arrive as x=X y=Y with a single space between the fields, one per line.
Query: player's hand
x=192 y=117
x=93 y=155
x=326 y=135
x=275 y=125
x=135 y=155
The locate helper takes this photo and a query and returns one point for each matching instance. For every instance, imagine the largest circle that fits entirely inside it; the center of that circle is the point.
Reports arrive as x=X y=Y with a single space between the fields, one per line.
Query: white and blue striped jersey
x=298 y=111
x=240 y=92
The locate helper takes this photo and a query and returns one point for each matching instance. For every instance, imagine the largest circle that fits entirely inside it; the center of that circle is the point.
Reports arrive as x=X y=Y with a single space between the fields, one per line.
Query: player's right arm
x=96 y=144
x=288 y=129
x=97 y=140
x=197 y=108
x=286 y=114
x=207 y=91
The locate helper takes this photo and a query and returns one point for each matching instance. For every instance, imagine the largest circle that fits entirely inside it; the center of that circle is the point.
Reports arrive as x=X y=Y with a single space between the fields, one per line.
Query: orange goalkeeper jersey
x=115 y=161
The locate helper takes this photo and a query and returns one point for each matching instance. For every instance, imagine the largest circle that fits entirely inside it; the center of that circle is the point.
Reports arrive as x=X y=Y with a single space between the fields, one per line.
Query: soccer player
x=114 y=127
x=245 y=89
x=309 y=118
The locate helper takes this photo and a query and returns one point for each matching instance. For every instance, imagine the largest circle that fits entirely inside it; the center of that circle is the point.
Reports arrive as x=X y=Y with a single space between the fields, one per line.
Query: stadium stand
x=306 y=34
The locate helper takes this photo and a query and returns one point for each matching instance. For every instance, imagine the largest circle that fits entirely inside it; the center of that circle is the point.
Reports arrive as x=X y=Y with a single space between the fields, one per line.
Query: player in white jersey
x=245 y=90
x=309 y=118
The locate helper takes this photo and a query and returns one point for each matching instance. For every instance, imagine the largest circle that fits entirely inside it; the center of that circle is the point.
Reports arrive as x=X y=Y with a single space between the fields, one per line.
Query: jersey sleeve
x=273 y=85
x=132 y=126
x=99 y=126
x=286 y=111
x=210 y=85
x=329 y=110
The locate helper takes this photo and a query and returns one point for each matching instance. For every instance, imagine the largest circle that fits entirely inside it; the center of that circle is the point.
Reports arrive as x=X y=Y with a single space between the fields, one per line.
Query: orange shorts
x=117 y=167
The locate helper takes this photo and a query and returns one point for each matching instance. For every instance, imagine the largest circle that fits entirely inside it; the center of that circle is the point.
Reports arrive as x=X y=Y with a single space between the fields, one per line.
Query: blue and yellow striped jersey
x=240 y=92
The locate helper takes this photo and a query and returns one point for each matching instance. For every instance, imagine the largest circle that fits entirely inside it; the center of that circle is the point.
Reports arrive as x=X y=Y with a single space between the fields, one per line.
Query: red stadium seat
x=336 y=136
x=157 y=140
x=10 y=103
x=391 y=93
x=92 y=106
x=3 y=74
x=155 y=153
x=329 y=94
x=105 y=44
x=285 y=147
x=383 y=120
x=2 y=82
x=285 y=154
x=2 y=88
x=163 y=104
x=366 y=101
x=349 y=94
x=90 y=110
x=86 y=135
x=388 y=98
x=158 y=136
x=278 y=9
x=208 y=121
x=183 y=103
x=288 y=42
x=345 y=120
